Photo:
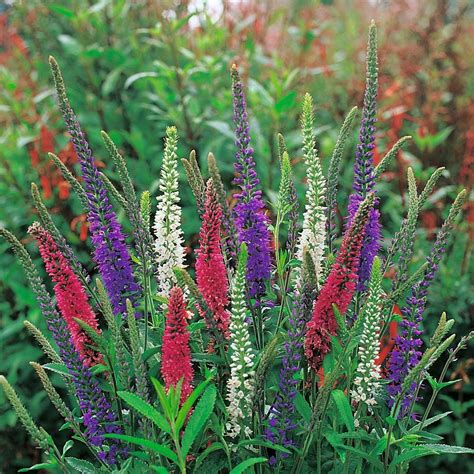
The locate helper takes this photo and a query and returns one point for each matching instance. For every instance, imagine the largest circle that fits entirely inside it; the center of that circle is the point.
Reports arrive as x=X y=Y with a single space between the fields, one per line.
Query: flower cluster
x=313 y=236
x=110 y=250
x=338 y=289
x=250 y=218
x=240 y=385
x=211 y=274
x=175 y=353
x=169 y=248
x=366 y=381
x=71 y=297
x=364 y=176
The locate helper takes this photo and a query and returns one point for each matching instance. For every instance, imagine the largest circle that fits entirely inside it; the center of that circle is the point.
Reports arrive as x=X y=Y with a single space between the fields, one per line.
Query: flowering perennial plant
x=364 y=173
x=211 y=274
x=366 y=381
x=176 y=354
x=266 y=359
x=169 y=248
x=250 y=219
x=240 y=384
x=313 y=236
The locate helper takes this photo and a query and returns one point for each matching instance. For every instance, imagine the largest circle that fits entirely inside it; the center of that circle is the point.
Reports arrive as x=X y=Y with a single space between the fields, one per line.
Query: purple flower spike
x=98 y=416
x=406 y=353
x=364 y=177
x=110 y=251
x=250 y=218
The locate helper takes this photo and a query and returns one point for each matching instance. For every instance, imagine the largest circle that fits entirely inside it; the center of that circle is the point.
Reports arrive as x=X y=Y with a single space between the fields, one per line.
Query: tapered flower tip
x=243 y=255
x=372 y=23
x=234 y=72
x=171 y=131
x=34 y=228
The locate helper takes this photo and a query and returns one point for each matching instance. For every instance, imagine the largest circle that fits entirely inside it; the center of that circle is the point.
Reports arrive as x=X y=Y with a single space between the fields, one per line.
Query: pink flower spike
x=176 y=353
x=339 y=289
x=211 y=273
x=71 y=298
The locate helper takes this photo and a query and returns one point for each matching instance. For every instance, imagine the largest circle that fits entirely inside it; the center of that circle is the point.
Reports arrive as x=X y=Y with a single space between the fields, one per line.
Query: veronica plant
x=266 y=358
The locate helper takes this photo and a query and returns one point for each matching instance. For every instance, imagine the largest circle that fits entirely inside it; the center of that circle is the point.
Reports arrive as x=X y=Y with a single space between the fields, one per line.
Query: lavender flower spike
x=98 y=416
x=250 y=219
x=364 y=176
x=406 y=353
x=110 y=251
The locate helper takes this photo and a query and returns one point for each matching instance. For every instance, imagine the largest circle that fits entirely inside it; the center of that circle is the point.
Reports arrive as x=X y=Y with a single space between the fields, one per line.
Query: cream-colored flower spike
x=240 y=386
x=313 y=235
x=367 y=377
x=169 y=250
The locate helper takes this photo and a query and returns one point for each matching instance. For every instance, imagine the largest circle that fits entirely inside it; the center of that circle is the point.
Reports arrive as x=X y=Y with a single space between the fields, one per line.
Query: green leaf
x=344 y=409
x=145 y=409
x=303 y=407
x=336 y=442
x=146 y=443
x=37 y=467
x=435 y=385
x=84 y=467
x=410 y=455
x=367 y=456
x=260 y=442
x=380 y=446
x=58 y=368
x=159 y=469
x=162 y=396
x=198 y=419
x=430 y=421
x=447 y=449
x=246 y=464
x=150 y=352
x=184 y=410
x=136 y=77
x=213 y=447
x=62 y=11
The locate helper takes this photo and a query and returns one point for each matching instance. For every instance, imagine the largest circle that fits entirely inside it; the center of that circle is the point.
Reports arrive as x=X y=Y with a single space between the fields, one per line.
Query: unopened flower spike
x=407 y=351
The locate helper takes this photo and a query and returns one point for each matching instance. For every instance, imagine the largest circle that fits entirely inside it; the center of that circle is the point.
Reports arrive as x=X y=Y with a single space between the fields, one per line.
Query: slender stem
x=451 y=357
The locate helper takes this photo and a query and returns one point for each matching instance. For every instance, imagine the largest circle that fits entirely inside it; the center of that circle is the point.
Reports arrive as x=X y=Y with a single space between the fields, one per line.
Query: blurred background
x=133 y=67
